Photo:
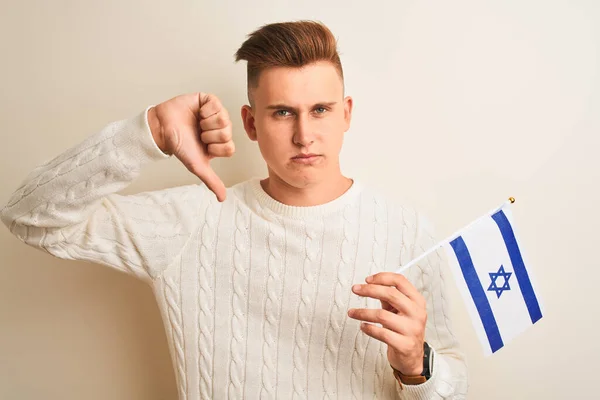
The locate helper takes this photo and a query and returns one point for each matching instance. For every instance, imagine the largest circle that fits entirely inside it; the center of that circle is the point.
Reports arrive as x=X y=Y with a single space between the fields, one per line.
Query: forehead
x=312 y=83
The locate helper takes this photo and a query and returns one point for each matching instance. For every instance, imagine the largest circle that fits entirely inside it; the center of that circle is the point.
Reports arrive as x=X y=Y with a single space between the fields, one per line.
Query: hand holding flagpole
x=483 y=257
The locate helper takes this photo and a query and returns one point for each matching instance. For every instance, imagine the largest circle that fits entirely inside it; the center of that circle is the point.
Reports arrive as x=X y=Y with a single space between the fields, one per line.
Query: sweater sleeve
x=449 y=379
x=69 y=206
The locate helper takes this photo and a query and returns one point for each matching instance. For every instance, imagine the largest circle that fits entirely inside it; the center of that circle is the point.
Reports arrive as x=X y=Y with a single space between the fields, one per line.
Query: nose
x=303 y=132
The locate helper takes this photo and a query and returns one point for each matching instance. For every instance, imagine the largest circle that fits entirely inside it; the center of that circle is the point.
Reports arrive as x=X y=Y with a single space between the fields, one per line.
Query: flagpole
x=454 y=235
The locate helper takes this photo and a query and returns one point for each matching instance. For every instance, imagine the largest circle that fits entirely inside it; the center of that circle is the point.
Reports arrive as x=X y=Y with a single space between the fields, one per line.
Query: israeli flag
x=492 y=276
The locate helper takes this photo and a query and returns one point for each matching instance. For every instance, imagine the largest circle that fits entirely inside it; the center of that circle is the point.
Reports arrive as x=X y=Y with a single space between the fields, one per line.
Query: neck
x=311 y=195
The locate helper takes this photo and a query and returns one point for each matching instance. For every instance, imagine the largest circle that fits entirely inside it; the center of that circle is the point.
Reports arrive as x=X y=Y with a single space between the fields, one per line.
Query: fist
x=195 y=128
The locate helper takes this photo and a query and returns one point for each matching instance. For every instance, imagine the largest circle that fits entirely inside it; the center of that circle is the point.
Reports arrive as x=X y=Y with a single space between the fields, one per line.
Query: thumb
x=212 y=181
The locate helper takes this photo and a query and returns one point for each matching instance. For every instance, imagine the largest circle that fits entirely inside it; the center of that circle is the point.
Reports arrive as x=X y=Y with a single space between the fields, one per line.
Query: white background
x=458 y=106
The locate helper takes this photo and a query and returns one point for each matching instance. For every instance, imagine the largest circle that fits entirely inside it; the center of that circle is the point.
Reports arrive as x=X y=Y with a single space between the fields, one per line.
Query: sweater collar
x=267 y=202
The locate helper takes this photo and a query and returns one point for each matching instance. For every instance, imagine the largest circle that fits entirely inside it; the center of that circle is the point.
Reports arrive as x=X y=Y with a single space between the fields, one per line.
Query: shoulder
x=403 y=218
x=172 y=195
x=240 y=190
x=192 y=195
x=164 y=208
x=400 y=213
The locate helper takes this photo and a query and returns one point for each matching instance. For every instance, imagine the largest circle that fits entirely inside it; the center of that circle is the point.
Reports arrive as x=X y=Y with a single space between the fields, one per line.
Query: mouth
x=306 y=158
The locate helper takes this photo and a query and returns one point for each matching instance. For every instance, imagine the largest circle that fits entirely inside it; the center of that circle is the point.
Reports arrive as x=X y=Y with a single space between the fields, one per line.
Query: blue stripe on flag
x=535 y=313
x=477 y=293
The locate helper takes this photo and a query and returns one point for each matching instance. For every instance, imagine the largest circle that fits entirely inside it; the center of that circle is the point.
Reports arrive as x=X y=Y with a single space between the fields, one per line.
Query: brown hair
x=288 y=44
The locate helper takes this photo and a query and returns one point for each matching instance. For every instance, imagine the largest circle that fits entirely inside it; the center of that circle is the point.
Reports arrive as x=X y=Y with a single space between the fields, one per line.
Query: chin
x=296 y=180
x=304 y=180
x=299 y=176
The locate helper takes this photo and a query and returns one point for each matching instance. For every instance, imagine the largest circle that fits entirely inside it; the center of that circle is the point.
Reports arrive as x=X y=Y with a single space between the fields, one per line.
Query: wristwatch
x=425 y=375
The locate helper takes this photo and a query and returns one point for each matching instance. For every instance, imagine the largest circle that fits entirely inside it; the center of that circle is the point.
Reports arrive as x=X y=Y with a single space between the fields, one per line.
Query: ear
x=348 y=111
x=248 y=119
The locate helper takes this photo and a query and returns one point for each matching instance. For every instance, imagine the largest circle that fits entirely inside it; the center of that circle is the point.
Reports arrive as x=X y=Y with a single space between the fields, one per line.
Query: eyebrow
x=281 y=106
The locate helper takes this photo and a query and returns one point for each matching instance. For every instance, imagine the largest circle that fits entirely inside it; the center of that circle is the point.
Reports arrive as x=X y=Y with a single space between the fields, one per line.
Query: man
x=262 y=286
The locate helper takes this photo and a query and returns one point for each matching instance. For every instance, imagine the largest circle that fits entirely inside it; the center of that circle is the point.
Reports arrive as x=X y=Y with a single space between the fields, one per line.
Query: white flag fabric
x=492 y=276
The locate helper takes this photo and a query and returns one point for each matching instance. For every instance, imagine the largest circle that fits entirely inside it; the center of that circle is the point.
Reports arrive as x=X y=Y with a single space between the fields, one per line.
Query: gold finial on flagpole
x=511 y=199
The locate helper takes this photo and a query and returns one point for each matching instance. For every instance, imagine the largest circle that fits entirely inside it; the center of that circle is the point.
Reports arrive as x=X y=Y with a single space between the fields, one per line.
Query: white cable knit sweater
x=253 y=293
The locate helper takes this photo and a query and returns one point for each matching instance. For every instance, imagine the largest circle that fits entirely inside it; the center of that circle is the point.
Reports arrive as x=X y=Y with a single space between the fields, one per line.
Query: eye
x=282 y=113
x=320 y=110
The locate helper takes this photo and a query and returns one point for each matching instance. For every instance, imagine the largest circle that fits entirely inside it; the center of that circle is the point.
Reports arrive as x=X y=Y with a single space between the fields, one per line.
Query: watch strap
x=408 y=379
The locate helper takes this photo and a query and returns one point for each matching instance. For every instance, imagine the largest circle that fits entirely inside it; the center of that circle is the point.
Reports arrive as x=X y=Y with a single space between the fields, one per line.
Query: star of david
x=494 y=286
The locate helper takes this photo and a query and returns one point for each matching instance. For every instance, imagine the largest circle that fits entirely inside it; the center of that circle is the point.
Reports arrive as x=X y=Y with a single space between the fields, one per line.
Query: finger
x=398 y=281
x=389 y=295
x=221 y=149
x=209 y=105
x=216 y=136
x=218 y=120
x=386 y=306
x=393 y=339
x=211 y=180
x=392 y=321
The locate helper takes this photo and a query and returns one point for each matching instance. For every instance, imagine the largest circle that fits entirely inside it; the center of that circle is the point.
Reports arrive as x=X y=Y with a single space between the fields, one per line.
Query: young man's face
x=299 y=118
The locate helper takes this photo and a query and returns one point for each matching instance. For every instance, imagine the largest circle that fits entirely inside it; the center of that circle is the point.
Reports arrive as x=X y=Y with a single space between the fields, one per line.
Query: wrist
x=411 y=371
x=414 y=367
x=156 y=129
x=418 y=374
